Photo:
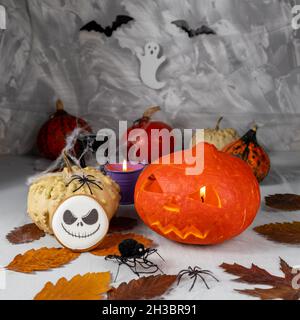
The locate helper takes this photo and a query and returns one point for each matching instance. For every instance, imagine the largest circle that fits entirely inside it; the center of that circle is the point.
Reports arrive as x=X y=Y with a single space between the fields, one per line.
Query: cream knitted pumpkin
x=48 y=192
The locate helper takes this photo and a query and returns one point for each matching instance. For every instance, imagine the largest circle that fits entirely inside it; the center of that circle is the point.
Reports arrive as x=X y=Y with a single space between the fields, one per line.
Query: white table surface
x=246 y=249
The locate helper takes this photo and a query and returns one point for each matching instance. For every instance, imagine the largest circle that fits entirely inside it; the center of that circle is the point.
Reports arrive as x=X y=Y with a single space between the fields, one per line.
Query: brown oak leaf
x=143 y=288
x=121 y=224
x=285 y=288
x=281 y=232
x=25 y=234
x=91 y=286
x=42 y=259
x=110 y=244
x=284 y=202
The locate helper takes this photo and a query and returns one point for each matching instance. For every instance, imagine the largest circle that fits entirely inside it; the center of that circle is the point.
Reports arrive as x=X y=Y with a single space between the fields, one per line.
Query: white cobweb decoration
x=59 y=163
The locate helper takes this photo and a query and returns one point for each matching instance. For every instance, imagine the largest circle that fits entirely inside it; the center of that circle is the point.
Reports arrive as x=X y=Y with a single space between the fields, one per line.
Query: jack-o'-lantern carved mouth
x=79 y=234
x=189 y=231
x=152 y=185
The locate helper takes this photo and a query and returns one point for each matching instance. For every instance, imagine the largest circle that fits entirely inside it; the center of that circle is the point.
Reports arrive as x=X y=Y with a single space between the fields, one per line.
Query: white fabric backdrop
x=248 y=72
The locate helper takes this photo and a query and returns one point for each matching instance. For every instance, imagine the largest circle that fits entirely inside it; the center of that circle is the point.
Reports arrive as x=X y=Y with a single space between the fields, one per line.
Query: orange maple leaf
x=91 y=286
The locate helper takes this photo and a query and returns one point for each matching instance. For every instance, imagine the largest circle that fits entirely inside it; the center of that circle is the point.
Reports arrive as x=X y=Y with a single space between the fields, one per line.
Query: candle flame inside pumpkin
x=203 y=194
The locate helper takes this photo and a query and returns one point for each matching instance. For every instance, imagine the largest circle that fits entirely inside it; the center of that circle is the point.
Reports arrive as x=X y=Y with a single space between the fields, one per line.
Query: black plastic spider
x=133 y=255
x=85 y=180
x=194 y=273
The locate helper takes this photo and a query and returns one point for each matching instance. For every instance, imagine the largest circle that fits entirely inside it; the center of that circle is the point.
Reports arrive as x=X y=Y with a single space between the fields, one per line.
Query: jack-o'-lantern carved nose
x=173 y=198
x=172 y=204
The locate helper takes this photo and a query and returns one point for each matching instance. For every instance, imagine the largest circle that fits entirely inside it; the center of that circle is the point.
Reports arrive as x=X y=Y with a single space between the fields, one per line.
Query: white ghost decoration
x=80 y=223
x=150 y=63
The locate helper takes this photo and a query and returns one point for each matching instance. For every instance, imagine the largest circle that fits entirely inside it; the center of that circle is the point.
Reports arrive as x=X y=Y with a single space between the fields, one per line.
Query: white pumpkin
x=220 y=138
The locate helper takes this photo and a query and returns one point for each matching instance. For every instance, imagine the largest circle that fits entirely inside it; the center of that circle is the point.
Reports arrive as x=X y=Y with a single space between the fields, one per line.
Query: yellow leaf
x=91 y=286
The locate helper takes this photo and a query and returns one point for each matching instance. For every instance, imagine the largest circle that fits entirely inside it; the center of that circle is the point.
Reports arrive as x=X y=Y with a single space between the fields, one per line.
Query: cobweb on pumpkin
x=59 y=163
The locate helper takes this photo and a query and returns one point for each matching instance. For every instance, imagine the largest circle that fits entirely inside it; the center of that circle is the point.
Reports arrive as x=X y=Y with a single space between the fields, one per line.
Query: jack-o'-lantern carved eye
x=152 y=185
x=205 y=194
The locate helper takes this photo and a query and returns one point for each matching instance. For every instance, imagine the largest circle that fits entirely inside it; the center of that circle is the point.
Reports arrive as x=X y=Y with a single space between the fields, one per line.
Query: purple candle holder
x=126 y=179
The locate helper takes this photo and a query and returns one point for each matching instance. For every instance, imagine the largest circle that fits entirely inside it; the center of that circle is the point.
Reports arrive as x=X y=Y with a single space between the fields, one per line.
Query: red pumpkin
x=144 y=144
x=52 y=136
x=208 y=208
x=248 y=149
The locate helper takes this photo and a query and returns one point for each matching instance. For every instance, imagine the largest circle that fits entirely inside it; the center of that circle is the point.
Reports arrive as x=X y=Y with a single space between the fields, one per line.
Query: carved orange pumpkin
x=248 y=149
x=208 y=208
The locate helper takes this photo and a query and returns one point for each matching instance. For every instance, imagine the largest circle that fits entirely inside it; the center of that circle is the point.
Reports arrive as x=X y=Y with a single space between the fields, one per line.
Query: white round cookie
x=80 y=223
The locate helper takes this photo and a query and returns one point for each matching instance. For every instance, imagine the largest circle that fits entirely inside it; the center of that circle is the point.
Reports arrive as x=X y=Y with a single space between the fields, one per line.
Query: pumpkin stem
x=218 y=124
x=59 y=105
x=250 y=136
x=67 y=162
x=150 y=112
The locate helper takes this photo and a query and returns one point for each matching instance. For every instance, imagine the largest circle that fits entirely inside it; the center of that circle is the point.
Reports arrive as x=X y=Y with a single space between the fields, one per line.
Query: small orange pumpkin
x=207 y=208
x=248 y=149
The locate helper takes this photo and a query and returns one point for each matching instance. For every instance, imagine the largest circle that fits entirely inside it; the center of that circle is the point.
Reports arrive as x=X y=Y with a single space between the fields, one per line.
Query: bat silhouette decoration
x=182 y=24
x=109 y=30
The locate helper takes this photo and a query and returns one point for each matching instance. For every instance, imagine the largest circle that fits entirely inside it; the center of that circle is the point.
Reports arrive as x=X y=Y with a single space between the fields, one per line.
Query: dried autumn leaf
x=42 y=259
x=143 y=288
x=120 y=224
x=284 y=202
x=25 y=234
x=90 y=286
x=281 y=287
x=281 y=232
x=109 y=246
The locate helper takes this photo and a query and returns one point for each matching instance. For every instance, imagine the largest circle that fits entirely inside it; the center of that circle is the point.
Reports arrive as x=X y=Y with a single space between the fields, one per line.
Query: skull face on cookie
x=80 y=223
